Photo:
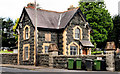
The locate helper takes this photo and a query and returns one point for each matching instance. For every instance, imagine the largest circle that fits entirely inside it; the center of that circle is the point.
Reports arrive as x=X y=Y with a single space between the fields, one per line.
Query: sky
x=13 y=8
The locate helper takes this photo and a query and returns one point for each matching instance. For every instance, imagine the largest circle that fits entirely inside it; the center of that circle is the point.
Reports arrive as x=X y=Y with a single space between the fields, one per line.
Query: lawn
x=6 y=51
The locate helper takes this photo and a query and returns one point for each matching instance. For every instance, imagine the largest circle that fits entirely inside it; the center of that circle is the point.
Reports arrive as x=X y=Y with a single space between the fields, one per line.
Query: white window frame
x=26 y=53
x=77 y=32
x=46 y=50
x=73 y=51
x=26 y=33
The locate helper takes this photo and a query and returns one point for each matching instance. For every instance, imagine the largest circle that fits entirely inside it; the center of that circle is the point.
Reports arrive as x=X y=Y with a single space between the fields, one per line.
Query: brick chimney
x=31 y=5
x=71 y=7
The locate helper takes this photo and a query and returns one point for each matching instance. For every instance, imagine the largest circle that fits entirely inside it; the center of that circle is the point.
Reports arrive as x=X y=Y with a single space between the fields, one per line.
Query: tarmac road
x=6 y=70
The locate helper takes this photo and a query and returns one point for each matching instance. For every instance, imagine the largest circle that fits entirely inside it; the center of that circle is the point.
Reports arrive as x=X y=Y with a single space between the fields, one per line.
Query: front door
x=84 y=51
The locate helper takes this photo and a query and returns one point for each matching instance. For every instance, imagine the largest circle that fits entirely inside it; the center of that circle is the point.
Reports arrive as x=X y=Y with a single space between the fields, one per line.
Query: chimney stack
x=71 y=7
x=31 y=5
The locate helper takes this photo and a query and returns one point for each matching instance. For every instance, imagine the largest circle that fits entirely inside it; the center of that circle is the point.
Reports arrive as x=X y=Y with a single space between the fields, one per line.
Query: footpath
x=32 y=67
x=39 y=68
x=43 y=69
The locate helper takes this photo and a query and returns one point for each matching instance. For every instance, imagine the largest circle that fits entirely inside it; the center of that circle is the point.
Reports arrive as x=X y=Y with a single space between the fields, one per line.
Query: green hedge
x=6 y=51
x=96 y=52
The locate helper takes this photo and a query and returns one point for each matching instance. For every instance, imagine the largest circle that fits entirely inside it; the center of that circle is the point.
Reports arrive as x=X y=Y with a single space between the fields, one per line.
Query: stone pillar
x=53 y=51
x=110 y=61
x=51 y=55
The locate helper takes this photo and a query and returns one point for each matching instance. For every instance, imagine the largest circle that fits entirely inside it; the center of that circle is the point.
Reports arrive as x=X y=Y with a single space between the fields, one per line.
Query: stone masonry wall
x=43 y=59
x=60 y=61
x=41 y=37
x=26 y=21
x=76 y=22
x=60 y=42
x=117 y=62
x=9 y=59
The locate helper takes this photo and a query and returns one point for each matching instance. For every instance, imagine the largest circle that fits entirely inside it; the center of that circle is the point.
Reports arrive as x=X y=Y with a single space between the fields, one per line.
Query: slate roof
x=86 y=43
x=51 y=19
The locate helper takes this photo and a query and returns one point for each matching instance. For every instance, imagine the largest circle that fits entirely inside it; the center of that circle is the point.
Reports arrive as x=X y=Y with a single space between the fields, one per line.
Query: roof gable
x=67 y=16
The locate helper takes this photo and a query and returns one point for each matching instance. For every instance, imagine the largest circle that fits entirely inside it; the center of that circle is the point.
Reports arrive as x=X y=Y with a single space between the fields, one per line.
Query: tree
x=8 y=39
x=99 y=20
x=14 y=29
x=0 y=33
x=115 y=34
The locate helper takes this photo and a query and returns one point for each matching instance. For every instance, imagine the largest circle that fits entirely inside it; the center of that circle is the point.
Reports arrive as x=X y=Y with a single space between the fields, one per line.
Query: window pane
x=74 y=53
x=26 y=52
x=73 y=50
x=76 y=36
x=77 y=33
x=46 y=49
x=26 y=33
x=77 y=30
x=70 y=52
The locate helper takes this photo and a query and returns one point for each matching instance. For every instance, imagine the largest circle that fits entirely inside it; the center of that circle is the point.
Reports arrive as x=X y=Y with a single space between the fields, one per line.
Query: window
x=48 y=37
x=77 y=33
x=46 y=49
x=73 y=50
x=26 y=53
x=26 y=33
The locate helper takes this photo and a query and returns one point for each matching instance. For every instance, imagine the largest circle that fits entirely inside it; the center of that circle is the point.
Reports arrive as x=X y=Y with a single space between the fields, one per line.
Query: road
x=6 y=70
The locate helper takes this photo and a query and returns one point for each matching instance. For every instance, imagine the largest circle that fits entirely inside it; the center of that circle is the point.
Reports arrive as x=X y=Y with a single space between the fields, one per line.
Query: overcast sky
x=13 y=8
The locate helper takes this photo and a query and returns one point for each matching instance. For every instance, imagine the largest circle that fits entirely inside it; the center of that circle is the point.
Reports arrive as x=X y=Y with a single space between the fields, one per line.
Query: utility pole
x=35 y=50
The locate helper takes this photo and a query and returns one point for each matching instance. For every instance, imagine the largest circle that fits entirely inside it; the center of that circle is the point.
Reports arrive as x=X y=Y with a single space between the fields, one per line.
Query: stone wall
x=117 y=62
x=26 y=21
x=60 y=61
x=60 y=41
x=41 y=37
x=43 y=59
x=74 y=22
x=8 y=58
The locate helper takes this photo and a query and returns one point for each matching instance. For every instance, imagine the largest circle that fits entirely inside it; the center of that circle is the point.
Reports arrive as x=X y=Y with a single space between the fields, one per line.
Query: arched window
x=73 y=48
x=26 y=33
x=77 y=33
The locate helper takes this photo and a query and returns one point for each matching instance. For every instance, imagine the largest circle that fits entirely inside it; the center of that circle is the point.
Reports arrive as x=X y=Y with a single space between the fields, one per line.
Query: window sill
x=76 y=39
x=25 y=60
x=26 y=39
